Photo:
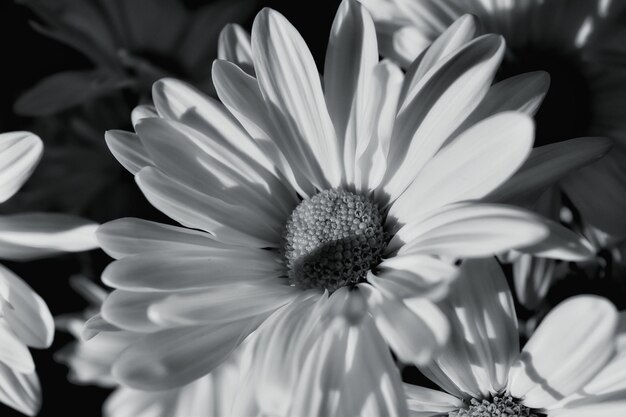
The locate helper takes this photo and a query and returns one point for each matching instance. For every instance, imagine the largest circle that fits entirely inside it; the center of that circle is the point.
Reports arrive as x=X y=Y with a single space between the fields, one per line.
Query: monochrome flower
x=130 y=43
x=325 y=218
x=25 y=320
x=572 y=366
x=91 y=357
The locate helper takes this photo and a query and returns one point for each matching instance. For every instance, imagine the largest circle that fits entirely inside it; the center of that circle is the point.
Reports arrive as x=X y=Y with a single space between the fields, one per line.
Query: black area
x=566 y=110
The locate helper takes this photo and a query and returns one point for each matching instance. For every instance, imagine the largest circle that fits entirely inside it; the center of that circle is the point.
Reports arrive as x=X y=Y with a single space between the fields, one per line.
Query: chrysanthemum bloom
x=25 y=320
x=571 y=40
x=130 y=43
x=325 y=217
x=91 y=357
x=572 y=366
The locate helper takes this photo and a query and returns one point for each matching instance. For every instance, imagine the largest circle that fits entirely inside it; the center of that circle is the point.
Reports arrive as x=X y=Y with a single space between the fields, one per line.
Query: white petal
x=35 y=235
x=20 y=391
x=437 y=105
x=532 y=277
x=414 y=328
x=192 y=269
x=470 y=230
x=19 y=154
x=128 y=150
x=561 y=243
x=351 y=56
x=172 y=358
x=13 y=351
x=484 y=339
x=473 y=165
x=414 y=275
x=128 y=402
x=545 y=166
x=220 y=304
x=28 y=316
x=426 y=400
x=130 y=236
x=234 y=45
x=569 y=347
x=129 y=310
x=290 y=84
x=228 y=223
x=610 y=405
x=407 y=43
x=143 y=111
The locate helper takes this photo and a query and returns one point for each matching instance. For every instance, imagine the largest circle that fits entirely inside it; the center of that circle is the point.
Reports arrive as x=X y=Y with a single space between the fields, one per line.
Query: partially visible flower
x=325 y=218
x=130 y=43
x=91 y=357
x=585 y=101
x=572 y=366
x=25 y=320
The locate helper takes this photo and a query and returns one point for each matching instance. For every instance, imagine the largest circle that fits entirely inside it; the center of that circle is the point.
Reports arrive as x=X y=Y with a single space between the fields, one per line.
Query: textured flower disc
x=499 y=406
x=333 y=239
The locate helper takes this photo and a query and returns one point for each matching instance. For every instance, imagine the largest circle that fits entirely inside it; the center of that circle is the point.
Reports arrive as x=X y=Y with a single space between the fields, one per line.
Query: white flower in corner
x=325 y=216
x=25 y=320
x=572 y=366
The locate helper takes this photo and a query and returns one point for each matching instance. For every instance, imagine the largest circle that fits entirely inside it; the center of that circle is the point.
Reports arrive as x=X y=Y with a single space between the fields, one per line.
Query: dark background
x=28 y=57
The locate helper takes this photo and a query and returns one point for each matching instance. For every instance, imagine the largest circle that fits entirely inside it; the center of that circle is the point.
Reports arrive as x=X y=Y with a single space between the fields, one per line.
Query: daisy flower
x=572 y=366
x=130 y=43
x=586 y=98
x=323 y=217
x=25 y=320
x=91 y=357
x=575 y=42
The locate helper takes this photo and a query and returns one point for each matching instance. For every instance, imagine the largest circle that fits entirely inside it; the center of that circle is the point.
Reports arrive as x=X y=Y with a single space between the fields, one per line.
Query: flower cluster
x=379 y=239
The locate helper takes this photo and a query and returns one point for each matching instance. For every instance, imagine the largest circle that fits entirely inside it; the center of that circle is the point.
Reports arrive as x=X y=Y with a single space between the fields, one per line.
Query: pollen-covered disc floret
x=333 y=239
x=499 y=406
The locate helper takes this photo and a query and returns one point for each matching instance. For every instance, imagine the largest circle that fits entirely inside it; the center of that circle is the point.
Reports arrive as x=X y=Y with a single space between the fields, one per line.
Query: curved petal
x=128 y=150
x=473 y=165
x=234 y=45
x=35 y=235
x=429 y=401
x=570 y=346
x=28 y=315
x=20 y=391
x=19 y=154
x=532 y=277
x=129 y=310
x=130 y=236
x=484 y=339
x=470 y=230
x=13 y=352
x=415 y=329
x=290 y=84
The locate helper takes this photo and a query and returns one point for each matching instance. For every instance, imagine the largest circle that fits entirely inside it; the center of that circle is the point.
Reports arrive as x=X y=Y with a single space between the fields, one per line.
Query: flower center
x=333 y=239
x=499 y=406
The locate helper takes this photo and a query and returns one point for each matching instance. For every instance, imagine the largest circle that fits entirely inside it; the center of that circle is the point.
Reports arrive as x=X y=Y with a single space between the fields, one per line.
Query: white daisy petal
x=454 y=89
x=19 y=154
x=570 y=346
x=13 y=352
x=221 y=304
x=94 y=326
x=351 y=56
x=130 y=236
x=220 y=171
x=129 y=310
x=28 y=317
x=228 y=223
x=290 y=84
x=20 y=391
x=143 y=111
x=545 y=166
x=415 y=328
x=35 y=235
x=349 y=370
x=426 y=402
x=561 y=243
x=469 y=230
x=414 y=275
x=128 y=150
x=191 y=269
x=407 y=43
x=532 y=277
x=473 y=165
x=128 y=402
x=159 y=361
x=608 y=405
x=234 y=45
x=484 y=339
